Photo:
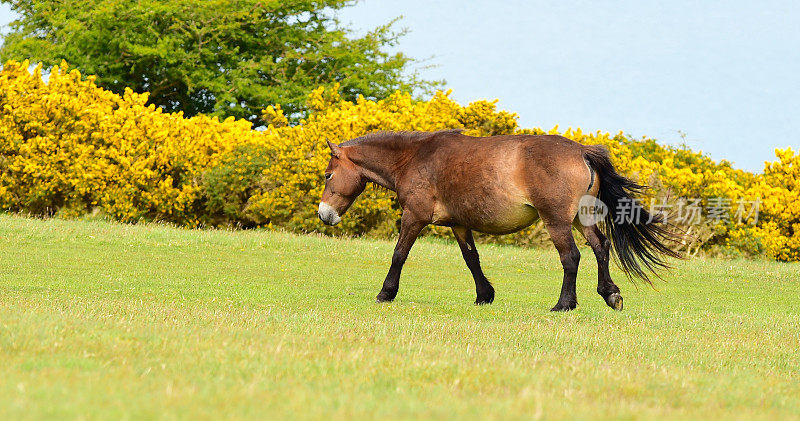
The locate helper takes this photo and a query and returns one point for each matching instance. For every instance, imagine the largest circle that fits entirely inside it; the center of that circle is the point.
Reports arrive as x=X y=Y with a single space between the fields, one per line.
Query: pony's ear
x=335 y=149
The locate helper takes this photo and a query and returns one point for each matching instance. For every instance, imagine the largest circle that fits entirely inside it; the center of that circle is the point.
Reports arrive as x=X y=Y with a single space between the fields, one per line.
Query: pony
x=500 y=185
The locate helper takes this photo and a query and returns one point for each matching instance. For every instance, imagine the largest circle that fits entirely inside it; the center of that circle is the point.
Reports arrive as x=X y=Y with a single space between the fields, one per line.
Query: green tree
x=219 y=57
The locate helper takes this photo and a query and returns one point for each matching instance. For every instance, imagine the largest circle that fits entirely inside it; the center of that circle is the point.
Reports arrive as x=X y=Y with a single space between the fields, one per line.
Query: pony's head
x=344 y=181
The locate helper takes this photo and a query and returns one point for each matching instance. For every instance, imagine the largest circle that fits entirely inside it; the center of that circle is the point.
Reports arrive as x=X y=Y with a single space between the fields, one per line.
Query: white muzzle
x=328 y=214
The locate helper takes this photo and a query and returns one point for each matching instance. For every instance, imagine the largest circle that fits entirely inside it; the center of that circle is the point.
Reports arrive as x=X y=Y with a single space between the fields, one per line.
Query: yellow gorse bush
x=70 y=147
x=780 y=189
x=67 y=144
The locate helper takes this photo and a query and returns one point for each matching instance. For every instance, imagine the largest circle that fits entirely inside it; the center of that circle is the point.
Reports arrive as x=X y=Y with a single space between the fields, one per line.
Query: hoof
x=385 y=297
x=615 y=301
x=485 y=298
x=564 y=307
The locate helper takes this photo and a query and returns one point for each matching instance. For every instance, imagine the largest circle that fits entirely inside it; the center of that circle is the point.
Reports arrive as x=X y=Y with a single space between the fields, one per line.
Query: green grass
x=102 y=320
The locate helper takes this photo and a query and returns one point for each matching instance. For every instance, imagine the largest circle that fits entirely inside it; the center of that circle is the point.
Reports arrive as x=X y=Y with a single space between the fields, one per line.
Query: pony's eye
x=328 y=176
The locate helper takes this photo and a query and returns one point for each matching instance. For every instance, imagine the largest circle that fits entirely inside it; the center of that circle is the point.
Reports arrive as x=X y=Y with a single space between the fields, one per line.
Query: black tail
x=639 y=241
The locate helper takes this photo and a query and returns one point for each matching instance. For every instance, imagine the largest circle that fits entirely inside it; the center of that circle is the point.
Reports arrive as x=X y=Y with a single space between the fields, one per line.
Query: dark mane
x=390 y=138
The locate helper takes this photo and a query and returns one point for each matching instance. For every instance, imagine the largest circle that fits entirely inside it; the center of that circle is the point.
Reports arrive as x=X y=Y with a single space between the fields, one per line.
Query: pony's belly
x=509 y=220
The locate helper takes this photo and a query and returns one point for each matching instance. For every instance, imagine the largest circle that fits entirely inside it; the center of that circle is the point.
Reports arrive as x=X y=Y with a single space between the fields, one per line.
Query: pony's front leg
x=410 y=227
x=483 y=288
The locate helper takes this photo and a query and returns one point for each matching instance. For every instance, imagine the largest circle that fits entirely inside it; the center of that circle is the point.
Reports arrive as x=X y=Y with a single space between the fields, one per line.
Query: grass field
x=101 y=320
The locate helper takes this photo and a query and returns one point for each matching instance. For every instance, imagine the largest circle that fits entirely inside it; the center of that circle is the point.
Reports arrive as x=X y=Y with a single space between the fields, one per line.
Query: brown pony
x=499 y=185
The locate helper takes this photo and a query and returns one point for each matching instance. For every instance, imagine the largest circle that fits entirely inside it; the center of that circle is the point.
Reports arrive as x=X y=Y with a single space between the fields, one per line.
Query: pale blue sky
x=725 y=73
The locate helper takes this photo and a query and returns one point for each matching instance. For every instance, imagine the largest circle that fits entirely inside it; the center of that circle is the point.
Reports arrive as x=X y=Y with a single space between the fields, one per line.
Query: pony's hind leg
x=561 y=235
x=483 y=289
x=601 y=247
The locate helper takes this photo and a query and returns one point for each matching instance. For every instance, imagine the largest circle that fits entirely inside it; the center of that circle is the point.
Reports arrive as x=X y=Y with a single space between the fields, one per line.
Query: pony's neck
x=380 y=162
